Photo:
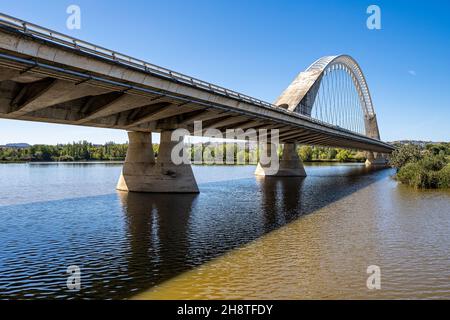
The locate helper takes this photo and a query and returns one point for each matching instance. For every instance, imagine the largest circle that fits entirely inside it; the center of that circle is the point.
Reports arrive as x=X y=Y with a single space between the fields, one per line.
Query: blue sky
x=258 y=47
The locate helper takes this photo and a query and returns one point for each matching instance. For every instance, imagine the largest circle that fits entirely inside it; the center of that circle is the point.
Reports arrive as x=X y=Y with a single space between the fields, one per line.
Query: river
x=241 y=237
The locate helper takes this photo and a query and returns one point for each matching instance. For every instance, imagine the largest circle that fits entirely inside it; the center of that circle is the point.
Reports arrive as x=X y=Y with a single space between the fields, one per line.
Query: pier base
x=377 y=160
x=290 y=164
x=143 y=173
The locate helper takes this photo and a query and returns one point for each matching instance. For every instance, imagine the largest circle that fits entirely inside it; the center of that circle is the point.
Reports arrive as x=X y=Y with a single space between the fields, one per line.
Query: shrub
x=443 y=177
x=412 y=174
x=430 y=172
x=433 y=163
x=405 y=154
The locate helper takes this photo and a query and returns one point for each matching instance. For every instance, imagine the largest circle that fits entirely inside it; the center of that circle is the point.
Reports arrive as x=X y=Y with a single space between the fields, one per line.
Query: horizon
x=391 y=58
x=219 y=140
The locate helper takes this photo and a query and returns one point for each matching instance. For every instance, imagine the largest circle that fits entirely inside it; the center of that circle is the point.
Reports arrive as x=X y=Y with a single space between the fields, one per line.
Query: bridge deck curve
x=48 y=77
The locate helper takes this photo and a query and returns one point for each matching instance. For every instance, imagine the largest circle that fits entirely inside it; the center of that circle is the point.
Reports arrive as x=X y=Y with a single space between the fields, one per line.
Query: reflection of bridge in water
x=50 y=77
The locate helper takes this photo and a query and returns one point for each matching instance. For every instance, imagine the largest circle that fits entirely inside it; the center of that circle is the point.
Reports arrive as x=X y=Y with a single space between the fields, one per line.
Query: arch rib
x=301 y=93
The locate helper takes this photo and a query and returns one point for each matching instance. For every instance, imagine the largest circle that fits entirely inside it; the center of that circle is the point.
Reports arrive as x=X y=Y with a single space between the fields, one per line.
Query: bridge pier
x=290 y=164
x=377 y=160
x=143 y=173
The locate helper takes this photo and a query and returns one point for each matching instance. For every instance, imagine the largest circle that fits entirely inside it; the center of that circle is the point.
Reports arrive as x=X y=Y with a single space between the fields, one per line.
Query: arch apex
x=301 y=94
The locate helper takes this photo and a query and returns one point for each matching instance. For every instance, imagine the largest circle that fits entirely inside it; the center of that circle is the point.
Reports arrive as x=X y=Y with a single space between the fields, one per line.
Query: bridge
x=50 y=77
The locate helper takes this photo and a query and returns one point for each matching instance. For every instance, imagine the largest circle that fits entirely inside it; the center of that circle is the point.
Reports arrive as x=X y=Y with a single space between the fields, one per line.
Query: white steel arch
x=300 y=95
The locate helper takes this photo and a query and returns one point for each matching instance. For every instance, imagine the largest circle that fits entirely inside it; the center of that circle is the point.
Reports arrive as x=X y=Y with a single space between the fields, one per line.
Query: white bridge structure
x=50 y=77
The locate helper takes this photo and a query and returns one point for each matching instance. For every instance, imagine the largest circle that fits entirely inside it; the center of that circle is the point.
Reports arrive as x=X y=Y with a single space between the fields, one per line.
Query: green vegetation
x=309 y=153
x=423 y=168
x=404 y=154
x=211 y=153
x=81 y=151
x=216 y=153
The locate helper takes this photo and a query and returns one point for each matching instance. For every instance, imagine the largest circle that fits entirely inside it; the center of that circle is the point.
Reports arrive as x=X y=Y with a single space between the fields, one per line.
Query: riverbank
x=323 y=161
x=61 y=162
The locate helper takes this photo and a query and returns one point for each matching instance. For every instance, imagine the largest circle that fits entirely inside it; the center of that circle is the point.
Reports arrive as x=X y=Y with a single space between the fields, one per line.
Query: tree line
x=314 y=153
x=86 y=151
x=76 y=151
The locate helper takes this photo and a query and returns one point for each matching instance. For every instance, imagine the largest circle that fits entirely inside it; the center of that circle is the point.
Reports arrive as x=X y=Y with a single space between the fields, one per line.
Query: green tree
x=332 y=153
x=343 y=155
x=405 y=154
x=430 y=172
x=155 y=147
x=305 y=153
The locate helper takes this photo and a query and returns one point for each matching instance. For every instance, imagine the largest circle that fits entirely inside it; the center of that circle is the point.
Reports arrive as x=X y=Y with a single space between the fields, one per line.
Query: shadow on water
x=180 y=232
x=129 y=242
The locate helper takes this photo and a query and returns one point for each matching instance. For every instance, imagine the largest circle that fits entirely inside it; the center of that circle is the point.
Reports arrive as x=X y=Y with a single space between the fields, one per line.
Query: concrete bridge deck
x=46 y=76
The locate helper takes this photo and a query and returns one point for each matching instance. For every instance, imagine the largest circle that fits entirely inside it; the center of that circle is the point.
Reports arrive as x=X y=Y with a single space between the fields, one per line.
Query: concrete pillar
x=141 y=173
x=375 y=159
x=290 y=164
x=371 y=126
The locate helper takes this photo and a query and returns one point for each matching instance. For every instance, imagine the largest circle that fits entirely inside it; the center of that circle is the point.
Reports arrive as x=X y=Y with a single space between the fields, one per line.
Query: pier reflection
x=281 y=199
x=157 y=228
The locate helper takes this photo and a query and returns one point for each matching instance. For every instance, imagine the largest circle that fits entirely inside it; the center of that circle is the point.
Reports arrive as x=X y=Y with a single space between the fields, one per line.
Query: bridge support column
x=142 y=173
x=290 y=164
x=375 y=160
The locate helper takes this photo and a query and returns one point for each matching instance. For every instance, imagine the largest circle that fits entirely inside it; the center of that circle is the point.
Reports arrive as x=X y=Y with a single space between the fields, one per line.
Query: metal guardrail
x=57 y=37
x=84 y=46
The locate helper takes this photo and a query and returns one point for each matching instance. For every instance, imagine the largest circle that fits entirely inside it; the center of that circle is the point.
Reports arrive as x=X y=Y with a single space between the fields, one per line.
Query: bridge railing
x=37 y=31
x=60 y=38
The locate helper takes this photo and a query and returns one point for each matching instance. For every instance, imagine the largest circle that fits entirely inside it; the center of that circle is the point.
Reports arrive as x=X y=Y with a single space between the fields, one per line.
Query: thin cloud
x=412 y=72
